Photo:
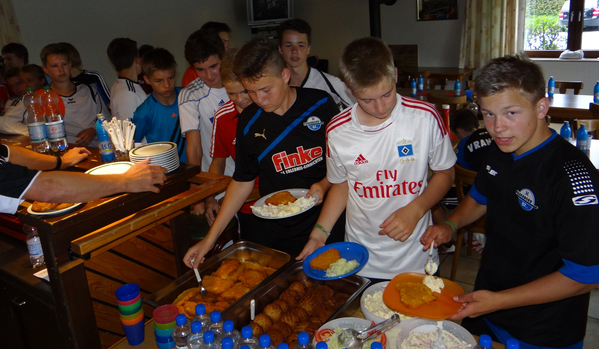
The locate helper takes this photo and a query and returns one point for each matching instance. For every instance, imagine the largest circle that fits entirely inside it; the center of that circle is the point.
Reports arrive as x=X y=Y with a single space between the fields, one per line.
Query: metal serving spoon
x=438 y=344
x=195 y=270
x=430 y=267
x=353 y=339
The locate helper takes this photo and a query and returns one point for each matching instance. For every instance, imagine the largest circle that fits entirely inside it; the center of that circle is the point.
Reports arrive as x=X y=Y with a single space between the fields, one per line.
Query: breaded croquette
x=324 y=260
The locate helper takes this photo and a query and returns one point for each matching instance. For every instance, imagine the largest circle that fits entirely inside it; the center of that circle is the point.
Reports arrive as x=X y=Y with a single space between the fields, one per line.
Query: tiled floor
x=468 y=267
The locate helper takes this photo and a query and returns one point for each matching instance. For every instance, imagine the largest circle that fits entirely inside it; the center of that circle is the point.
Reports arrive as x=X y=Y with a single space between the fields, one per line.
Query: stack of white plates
x=160 y=153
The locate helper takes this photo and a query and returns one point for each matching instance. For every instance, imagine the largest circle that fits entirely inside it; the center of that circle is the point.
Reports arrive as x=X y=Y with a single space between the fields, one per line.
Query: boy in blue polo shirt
x=157 y=118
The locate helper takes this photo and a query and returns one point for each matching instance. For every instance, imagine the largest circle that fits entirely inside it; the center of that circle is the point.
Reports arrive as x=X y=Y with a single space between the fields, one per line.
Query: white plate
x=297 y=193
x=54 y=212
x=153 y=148
x=111 y=168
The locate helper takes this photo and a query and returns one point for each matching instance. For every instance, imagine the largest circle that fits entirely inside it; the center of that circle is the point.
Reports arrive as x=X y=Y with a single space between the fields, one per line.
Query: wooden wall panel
x=149 y=254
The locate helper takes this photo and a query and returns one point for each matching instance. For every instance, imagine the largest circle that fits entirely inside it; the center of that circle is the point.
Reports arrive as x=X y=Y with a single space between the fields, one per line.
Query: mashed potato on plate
x=290 y=209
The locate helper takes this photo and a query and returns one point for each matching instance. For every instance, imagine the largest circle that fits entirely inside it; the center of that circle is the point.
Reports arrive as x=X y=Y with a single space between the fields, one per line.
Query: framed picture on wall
x=434 y=10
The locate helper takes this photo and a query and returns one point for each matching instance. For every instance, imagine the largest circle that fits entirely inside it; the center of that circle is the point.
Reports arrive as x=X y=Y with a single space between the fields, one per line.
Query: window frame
x=575 y=29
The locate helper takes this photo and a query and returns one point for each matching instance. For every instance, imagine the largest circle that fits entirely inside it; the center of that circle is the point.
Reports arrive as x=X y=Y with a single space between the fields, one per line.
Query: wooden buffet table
x=79 y=236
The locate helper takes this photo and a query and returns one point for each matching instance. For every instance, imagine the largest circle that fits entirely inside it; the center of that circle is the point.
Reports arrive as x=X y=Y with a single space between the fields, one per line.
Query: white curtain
x=9 y=28
x=491 y=29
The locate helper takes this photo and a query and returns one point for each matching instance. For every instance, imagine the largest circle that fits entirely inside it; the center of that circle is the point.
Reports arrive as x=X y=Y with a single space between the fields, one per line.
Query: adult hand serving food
x=20 y=171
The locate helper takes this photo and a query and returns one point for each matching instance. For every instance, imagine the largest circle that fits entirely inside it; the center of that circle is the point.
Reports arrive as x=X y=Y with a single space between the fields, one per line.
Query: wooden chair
x=465 y=177
x=564 y=86
x=434 y=82
x=455 y=103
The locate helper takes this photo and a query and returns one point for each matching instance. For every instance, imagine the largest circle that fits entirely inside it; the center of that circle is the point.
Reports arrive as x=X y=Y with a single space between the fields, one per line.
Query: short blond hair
x=227 y=75
x=365 y=63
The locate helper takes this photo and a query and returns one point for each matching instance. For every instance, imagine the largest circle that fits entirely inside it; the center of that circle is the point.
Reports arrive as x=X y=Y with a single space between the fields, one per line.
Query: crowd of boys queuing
x=261 y=115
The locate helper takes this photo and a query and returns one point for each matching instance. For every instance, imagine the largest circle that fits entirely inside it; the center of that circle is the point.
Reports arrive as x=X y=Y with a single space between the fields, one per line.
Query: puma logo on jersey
x=260 y=134
x=585 y=200
x=360 y=160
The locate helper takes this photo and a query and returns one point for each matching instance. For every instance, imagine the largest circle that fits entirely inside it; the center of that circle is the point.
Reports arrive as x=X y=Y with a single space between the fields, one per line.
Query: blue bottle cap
x=208 y=337
x=485 y=341
x=512 y=344
x=264 y=340
x=321 y=345
x=227 y=343
x=376 y=345
x=200 y=309
x=283 y=346
x=196 y=327
x=181 y=320
x=246 y=332
x=303 y=338
x=228 y=326
x=215 y=316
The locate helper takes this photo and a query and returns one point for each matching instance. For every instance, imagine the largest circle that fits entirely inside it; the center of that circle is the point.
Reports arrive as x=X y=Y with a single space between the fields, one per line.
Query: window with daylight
x=552 y=26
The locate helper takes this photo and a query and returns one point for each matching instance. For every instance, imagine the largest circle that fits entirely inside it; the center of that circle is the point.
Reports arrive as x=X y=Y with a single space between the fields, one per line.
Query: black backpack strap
x=345 y=104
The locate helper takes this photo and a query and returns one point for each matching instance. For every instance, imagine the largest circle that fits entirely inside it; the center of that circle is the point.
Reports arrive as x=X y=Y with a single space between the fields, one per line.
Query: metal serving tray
x=267 y=293
x=242 y=250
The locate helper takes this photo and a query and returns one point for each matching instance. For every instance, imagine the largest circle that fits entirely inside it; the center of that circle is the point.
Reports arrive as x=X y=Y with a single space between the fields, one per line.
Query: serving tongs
x=195 y=270
x=353 y=339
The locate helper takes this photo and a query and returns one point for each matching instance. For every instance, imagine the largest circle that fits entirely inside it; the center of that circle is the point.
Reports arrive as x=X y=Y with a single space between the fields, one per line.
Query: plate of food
x=335 y=261
x=407 y=294
x=50 y=209
x=284 y=204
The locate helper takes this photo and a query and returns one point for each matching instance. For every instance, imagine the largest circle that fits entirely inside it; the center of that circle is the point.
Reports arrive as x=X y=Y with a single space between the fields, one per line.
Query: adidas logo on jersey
x=360 y=160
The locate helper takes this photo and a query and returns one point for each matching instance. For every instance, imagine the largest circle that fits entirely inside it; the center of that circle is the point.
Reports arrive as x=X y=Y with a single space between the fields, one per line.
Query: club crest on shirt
x=405 y=151
x=526 y=199
x=313 y=123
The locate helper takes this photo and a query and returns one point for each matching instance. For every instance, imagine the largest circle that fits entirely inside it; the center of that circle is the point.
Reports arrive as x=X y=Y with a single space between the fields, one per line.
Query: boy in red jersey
x=378 y=156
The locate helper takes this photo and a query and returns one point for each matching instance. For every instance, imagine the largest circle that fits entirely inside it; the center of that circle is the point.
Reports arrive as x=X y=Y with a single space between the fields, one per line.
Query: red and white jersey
x=386 y=168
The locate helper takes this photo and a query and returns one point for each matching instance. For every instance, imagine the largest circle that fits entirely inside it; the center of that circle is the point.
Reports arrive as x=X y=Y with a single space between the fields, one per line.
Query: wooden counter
x=81 y=241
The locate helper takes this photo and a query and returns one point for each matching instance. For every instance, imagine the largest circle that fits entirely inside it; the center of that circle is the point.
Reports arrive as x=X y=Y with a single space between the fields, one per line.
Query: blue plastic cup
x=164 y=339
x=127 y=292
x=168 y=345
x=134 y=333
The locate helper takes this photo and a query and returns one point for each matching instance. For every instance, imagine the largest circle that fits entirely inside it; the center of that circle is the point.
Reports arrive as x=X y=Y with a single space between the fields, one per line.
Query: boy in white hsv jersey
x=378 y=155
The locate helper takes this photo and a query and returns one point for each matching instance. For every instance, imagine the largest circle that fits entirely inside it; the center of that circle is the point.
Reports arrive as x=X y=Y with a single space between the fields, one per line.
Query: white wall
x=91 y=25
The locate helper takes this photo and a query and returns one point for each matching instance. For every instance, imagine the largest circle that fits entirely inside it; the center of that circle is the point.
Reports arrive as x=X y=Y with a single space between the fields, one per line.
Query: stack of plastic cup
x=131 y=313
x=164 y=323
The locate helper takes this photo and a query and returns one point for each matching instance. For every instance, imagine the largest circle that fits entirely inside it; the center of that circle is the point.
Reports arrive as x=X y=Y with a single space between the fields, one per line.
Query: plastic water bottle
x=473 y=107
x=420 y=84
x=582 y=139
x=512 y=343
x=201 y=316
x=566 y=130
x=322 y=345
x=35 y=122
x=457 y=88
x=34 y=245
x=181 y=332
x=247 y=338
x=413 y=88
x=376 y=345
x=303 y=341
x=265 y=342
x=596 y=93
x=54 y=123
x=209 y=341
x=216 y=326
x=484 y=341
x=226 y=343
x=283 y=346
x=104 y=145
x=551 y=87
x=196 y=338
x=231 y=332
